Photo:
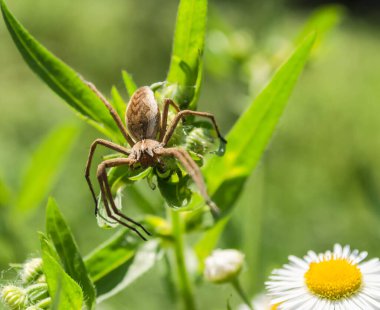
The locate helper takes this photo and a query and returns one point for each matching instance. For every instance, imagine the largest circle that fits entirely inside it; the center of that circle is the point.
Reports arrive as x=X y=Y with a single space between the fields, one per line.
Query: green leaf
x=130 y=84
x=175 y=189
x=64 y=291
x=142 y=175
x=45 y=166
x=5 y=193
x=65 y=245
x=248 y=139
x=323 y=20
x=118 y=103
x=47 y=247
x=251 y=134
x=61 y=78
x=119 y=261
x=186 y=64
x=116 y=281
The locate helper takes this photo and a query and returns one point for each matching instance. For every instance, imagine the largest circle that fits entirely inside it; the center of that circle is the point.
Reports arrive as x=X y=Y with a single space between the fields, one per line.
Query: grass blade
x=65 y=245
x=61 y=78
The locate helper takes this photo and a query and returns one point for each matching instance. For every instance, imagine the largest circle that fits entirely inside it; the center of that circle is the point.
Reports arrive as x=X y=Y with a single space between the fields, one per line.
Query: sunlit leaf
x=185 y=70
x=64 y=291
x=120 y=261
x=130 y=84
x=248 y=139
x=66 y=247
x=323 y=20
x=116 y=281
x=45 y=165
x=61 y=78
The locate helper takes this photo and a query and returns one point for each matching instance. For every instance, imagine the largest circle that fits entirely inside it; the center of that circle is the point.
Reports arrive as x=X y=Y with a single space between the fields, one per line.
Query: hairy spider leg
x=113 y=113
x=109 y=212
x=184 y=113
x=94 y=144
x=164 y=118
x=106 y=191
x=195 y=173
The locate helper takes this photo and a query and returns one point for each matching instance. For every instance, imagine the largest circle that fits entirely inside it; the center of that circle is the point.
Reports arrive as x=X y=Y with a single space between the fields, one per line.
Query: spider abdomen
x=143 y=115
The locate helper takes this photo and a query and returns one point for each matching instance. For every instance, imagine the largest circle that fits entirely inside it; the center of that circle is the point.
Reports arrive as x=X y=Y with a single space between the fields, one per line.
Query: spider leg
x=184 y=113
x=113 y=113
x=164 y=119
x=102 y=174
x=109 y=212
x=105 y=143
x=195 y=173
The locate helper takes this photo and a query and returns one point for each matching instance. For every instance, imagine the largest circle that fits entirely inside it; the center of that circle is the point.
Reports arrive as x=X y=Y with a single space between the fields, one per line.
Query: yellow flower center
x=274 y=307
x=333 y=279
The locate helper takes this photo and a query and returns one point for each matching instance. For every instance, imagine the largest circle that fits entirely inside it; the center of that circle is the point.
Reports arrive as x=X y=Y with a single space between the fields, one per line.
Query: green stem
x=185 y=286
x=236 y=285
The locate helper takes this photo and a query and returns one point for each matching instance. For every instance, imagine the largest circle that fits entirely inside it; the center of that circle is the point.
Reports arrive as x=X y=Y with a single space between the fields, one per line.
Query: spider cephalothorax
x=148 y=136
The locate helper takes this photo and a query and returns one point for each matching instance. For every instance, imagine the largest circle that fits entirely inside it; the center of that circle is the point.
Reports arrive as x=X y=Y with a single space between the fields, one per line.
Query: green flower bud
x=31 y=271
x=15 y=298
x=37 y=292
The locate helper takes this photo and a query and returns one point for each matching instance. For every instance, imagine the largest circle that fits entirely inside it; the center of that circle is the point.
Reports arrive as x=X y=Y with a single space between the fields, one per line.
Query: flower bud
x=14 y=297
x=31 y=270
x=223 y=265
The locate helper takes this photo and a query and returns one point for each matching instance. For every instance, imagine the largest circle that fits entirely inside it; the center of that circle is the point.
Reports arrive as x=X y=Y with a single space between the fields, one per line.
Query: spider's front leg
x=112 y=111
x=194 y=171
x=108 y=144
x=109 y=203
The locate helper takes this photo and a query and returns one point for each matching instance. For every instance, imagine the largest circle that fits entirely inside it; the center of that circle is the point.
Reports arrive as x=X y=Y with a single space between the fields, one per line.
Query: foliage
x=122 y=259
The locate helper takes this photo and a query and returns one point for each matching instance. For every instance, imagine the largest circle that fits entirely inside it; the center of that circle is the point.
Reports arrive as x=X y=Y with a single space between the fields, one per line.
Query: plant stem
x=236 y=285
x=185 y=286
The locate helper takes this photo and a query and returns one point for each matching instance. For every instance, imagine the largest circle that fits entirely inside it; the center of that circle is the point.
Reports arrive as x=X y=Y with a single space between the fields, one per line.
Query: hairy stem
x=185 y=285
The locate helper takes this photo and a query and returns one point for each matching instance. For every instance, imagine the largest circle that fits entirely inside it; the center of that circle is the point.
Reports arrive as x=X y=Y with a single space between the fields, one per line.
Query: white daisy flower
x=335 y=280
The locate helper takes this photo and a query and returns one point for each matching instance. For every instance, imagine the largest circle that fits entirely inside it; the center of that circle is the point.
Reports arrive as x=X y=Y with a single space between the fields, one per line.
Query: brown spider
x=148 y=135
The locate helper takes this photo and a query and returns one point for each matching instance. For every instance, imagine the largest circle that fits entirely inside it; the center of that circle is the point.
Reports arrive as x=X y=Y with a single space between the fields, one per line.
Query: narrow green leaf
x=120 y=261
x=323 y=20
x=61 y=78
x=45 y=166
x=120 y=278
x=110 y=255
x=47 y=247
x=248 y=139
x=186 y=65
x=130 y=84
x=118 y=103
x=142 y=175
x=64 y=291
x=66 y=247
x=250 y=135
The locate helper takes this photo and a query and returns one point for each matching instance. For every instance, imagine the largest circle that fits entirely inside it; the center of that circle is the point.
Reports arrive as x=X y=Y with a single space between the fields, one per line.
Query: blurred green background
x=319 y=181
